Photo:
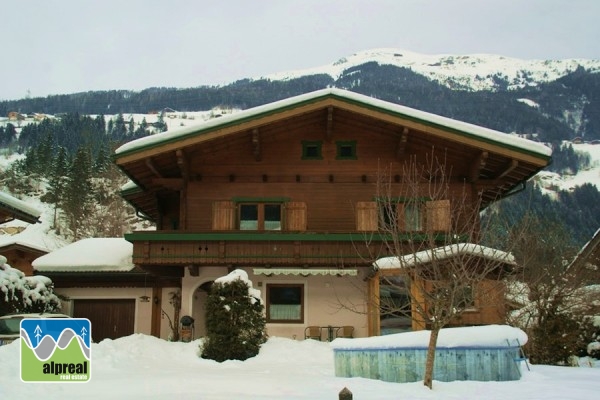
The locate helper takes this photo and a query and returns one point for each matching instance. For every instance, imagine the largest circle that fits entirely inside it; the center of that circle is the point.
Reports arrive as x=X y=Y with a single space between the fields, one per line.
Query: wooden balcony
x=177 y=248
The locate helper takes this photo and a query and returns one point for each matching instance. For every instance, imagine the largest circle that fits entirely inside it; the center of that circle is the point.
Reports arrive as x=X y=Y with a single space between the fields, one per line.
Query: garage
x=110 y=318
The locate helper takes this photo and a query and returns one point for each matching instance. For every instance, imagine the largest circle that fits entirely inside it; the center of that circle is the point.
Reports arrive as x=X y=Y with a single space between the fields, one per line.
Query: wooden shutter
x=295 y=216
x=438 y=215
x=223 y=216
x=366 y=216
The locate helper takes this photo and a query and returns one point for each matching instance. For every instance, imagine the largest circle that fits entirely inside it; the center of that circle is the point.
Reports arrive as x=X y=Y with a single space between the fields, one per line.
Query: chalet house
x=287 y=192
x=19 y=253
x=15 y=116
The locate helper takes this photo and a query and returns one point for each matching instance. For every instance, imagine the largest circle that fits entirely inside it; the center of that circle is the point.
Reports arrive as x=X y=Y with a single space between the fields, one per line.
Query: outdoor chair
x=312 y=332
x=344 y=331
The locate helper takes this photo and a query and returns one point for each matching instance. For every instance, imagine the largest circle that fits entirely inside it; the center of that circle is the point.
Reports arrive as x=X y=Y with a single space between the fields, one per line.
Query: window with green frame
x=259 y=216
x=346 y=150
x=311 y=150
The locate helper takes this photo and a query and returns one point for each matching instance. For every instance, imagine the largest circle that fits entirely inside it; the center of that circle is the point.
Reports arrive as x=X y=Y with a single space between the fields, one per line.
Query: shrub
x=235 y=322
x=557 y=338
x=25 y=294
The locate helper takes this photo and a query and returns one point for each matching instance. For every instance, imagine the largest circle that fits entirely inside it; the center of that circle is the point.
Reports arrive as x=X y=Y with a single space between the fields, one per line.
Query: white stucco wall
x=328 y=300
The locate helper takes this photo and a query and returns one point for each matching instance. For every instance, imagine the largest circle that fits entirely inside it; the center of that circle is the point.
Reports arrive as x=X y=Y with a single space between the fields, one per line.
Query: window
x=260 y=216
x=405 y=217
x=285 y=303
x=346 y=150
x=466 y=300
x=412 y=218
x=311 y=150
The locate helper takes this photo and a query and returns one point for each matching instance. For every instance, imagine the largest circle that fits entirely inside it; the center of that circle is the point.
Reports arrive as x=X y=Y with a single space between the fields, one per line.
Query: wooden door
x=110 y=318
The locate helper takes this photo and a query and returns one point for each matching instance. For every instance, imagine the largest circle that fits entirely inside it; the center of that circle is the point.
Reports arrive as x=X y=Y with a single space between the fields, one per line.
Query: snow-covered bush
x=25 y=294
x=235 y=322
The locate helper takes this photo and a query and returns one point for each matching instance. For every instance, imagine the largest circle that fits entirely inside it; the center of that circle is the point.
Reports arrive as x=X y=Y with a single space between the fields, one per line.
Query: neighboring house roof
x=21 y=245
x=13 y=208
x=89 y=255
x=590 y=253
x=499 y=161
x=444 y=253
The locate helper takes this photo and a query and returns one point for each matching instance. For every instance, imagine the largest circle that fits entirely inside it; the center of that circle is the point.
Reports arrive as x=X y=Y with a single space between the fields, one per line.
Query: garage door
x=110 y=319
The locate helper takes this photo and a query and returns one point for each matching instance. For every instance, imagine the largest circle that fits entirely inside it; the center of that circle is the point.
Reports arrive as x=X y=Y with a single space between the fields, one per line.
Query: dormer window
x=311 y=150
x=346 y=150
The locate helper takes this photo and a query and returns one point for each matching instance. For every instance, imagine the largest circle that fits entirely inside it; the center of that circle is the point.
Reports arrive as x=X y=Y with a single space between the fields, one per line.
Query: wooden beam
x=401 y=146
x=508 y=168
x=256 y=144
x=152 y=168
x=477 y=165
x=169 y=183
x=329 y=122
x=182 y=163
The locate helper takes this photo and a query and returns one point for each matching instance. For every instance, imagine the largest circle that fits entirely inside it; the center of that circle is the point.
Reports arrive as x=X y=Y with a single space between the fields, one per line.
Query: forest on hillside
x=67 y=162
x=550 y=112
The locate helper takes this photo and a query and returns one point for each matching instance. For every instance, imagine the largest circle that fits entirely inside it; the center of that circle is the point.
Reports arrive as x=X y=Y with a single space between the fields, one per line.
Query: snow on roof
x=88 y=255
x=479 y=132
x=444 y=252
x=491 y=336
x=22 y=243
x=19 y=205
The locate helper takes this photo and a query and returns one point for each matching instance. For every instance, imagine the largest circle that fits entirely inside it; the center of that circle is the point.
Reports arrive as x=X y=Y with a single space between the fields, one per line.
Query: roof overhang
x=12 y=208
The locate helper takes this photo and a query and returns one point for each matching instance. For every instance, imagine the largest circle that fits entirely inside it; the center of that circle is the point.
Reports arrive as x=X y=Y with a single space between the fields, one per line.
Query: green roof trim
x=271 y=236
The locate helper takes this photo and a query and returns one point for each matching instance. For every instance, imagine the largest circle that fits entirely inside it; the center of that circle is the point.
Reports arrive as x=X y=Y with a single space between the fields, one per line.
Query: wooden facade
x=293 y=184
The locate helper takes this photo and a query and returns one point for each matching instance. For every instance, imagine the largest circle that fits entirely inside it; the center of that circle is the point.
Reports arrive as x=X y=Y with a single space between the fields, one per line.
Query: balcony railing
x=268 y=248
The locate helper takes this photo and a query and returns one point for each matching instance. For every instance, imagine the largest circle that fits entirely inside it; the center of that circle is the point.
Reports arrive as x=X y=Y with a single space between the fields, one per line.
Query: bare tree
x=555 y=292
x=432 y=225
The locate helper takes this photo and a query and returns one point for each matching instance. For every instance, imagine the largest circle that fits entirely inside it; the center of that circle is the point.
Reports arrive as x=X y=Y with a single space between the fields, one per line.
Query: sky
x=68 y=46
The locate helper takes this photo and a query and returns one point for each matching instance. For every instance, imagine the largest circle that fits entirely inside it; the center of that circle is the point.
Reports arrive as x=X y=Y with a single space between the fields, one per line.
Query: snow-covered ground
x=144 y=367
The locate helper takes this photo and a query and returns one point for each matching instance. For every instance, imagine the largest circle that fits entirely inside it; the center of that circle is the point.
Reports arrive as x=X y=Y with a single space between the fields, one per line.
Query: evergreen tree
x=131 y=126
x=102 y=161
x=78 y=199
x=119 y=131
x=234 y=320
x=57 y=182
x=160 y=123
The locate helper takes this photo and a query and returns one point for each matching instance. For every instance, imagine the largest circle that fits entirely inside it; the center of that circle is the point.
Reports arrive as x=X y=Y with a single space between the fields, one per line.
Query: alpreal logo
x=56 y=350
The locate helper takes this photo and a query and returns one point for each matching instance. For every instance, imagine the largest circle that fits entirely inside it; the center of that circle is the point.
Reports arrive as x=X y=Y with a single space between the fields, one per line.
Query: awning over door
x=305 y=271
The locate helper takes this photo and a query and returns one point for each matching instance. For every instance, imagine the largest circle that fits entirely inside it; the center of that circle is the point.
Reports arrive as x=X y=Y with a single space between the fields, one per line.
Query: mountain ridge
x=467 y=72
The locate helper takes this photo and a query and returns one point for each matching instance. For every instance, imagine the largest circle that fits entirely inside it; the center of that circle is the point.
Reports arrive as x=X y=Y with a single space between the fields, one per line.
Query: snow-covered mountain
x=468 y=72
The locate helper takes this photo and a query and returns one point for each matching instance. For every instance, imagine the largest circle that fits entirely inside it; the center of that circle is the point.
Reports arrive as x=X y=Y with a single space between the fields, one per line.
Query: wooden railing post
x=345 y=394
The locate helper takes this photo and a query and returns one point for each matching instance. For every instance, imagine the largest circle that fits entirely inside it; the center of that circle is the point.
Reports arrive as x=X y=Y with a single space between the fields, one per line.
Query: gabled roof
x=178 y=138
x=13 y=208
x=498 y=162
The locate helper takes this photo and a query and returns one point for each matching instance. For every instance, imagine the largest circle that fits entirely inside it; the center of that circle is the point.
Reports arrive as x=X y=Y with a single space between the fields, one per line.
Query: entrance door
x=110 y=318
